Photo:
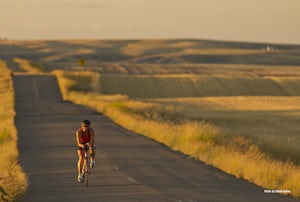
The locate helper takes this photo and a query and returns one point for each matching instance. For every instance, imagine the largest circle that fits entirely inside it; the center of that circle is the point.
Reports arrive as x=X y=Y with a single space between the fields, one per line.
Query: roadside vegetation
x=13 y=181
x=233 y=105
x=170 y=122
x=26 y=66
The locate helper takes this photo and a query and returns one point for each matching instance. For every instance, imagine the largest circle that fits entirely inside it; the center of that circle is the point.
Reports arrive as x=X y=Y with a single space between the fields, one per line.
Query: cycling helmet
x=85 y=123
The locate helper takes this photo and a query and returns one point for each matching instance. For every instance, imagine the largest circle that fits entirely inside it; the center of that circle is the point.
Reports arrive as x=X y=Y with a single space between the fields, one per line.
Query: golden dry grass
x=13 y=181
x=242 y=98
x=26 y=66
x=272 y=122
x=265 y=109
x=236 y=154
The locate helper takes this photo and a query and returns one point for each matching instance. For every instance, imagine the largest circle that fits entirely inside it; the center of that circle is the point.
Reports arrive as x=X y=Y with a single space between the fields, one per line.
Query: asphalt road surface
x=129 y=167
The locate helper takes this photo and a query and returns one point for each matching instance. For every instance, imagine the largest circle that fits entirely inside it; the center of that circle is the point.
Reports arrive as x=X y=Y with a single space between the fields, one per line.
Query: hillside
x=156 y=56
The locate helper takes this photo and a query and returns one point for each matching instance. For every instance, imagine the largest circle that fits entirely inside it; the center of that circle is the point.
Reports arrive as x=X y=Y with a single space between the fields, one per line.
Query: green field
x=243 y=96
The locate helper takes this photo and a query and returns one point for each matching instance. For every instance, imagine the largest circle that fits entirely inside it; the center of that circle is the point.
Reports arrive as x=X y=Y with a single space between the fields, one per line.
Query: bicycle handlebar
x=86 y=146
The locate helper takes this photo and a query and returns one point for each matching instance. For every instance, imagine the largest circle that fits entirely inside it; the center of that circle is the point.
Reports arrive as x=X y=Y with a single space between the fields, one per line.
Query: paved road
x=129 y=167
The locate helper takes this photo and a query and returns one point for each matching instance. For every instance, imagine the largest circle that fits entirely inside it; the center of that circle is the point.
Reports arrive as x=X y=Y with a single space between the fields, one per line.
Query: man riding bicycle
x=85 y=134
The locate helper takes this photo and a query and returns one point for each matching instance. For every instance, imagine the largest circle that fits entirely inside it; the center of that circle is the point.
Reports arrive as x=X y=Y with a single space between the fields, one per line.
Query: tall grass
x=237 y=155
x=272 y=121
x=13 y=181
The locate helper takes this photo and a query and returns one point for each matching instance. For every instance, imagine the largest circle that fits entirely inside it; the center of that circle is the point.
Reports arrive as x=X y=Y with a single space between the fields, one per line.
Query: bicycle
x=86 y=164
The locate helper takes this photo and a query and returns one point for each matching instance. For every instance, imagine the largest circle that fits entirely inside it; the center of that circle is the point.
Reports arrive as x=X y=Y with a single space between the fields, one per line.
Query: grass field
x=225 y=132
x=13 y=181
x=233 y=105
x=265 y=109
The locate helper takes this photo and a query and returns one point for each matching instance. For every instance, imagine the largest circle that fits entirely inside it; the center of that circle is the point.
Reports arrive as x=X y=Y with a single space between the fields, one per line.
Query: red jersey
x=85 y=137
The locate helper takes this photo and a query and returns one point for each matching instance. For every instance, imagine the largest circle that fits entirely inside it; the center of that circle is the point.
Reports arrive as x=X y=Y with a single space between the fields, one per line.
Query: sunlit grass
x=272 y=121
x=235 y=154
x=13 y=181
x=26 y=66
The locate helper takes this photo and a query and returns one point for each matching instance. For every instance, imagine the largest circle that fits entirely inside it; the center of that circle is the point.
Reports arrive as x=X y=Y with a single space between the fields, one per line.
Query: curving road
x=129 y=167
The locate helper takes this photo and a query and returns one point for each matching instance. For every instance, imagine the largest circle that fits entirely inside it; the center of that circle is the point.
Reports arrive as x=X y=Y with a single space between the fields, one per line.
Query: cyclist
x=85 y=134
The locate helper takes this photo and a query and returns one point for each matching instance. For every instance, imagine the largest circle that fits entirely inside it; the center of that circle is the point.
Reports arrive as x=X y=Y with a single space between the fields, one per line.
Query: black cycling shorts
x=80 y=148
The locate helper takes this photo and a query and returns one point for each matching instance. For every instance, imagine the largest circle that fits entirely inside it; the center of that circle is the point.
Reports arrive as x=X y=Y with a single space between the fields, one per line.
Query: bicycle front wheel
x=86 y=174
x=86 y=179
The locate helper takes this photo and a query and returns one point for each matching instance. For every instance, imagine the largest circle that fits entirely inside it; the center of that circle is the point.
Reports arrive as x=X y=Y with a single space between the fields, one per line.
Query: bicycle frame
x=85 y=167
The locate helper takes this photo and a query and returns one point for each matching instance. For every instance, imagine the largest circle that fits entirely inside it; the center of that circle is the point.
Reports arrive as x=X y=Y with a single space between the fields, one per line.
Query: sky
x=269 y=21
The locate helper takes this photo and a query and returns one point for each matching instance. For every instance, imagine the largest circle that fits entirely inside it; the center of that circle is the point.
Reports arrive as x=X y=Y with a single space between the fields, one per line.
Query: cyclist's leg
x=80 y=153
x=92 y=152
x=92 y=155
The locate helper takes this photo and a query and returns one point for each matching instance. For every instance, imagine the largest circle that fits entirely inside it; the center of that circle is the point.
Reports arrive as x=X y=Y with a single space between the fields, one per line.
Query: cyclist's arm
x=77 y=139
x=92 y=140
